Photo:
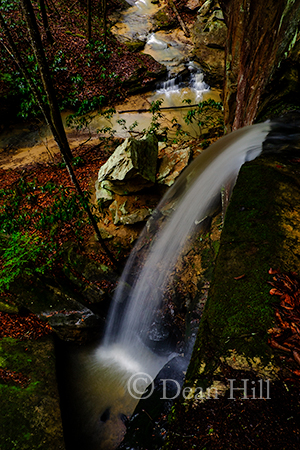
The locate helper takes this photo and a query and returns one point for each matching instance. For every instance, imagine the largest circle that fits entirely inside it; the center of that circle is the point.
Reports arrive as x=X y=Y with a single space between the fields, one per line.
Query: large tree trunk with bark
x=89 y=20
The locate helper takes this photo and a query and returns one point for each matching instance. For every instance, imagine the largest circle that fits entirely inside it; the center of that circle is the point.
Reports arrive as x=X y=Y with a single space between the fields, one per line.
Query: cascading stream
x=104 y=373
x=190 y=200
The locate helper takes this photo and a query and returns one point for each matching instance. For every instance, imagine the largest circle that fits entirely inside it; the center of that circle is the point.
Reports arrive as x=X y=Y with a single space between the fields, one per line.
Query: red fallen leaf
x=275 y=344
x=240 y=277
x=275 y=291
x=284 y=305
x=296 y=372
x=273 y=271
x=290 y=345
x=288 y=299
x=296 y=356
x=295 y=329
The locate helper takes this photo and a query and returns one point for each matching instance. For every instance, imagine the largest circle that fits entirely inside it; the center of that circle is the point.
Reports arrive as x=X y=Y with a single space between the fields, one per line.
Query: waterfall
x=174 y=84
x=111 y=377
x=185 y=205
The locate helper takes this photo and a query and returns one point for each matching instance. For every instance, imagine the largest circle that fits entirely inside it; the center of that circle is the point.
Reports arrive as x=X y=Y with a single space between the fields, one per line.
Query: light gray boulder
x=131 y=168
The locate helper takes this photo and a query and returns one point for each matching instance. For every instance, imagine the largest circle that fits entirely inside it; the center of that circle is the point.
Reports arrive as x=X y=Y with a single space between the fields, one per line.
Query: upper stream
x=22 y=145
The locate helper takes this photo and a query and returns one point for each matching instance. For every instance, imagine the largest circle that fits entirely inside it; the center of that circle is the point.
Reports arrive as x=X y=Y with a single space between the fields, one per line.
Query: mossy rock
x=30 y=413
x=164 y=19
x=261 y=231
x=135 y=46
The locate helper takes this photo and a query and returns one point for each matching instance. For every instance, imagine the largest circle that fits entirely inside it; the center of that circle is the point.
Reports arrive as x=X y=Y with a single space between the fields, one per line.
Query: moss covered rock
x=261 y=231
x=30 y=412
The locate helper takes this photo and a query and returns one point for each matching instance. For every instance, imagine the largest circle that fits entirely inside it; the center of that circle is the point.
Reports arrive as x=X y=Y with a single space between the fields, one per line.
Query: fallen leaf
x=240 y=277
x=296 y=356
x=275 y=291
x=273 y=271
x=275 y=344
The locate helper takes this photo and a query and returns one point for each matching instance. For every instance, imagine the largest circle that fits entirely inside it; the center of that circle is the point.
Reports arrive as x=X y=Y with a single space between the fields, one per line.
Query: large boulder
x=131 y=168
x=172 y=162
x=209 y=37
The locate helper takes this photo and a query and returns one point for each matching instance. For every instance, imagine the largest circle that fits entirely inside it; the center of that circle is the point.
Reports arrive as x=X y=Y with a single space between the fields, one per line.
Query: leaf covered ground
x=86 y=74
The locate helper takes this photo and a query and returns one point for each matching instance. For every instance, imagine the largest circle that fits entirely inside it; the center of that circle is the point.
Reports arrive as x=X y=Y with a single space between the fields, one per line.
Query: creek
x=24 y=144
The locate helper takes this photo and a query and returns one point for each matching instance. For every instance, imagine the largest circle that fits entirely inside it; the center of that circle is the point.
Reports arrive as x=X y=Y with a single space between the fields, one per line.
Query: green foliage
x=8 y=5
x=19 y=254
x=205 y=116
x=24 y=252
x=85 y=113
x=20 y=89
x=59 y=62
x=97 y=49
x=156 y=116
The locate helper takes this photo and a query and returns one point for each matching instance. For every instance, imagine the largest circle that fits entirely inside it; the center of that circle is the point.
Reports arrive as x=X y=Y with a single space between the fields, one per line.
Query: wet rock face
x=209 y=36
x=122 y=216
x=172 y=162
x=261 y=35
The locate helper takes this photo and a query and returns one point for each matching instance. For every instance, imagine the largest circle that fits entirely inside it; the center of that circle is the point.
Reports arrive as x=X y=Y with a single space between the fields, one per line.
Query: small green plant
x=206 y=115
x=20 y=253
x=29 y=229
x=59 y=62
x=156 y=116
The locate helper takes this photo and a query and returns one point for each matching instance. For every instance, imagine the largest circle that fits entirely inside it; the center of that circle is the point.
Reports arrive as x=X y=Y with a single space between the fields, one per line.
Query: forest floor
x=86 y=74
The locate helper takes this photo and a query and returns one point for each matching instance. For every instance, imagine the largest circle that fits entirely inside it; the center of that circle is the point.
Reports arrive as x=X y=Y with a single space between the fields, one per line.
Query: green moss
x=164 y=19
x=30 y=414
x=135 y=46
x=260 y=231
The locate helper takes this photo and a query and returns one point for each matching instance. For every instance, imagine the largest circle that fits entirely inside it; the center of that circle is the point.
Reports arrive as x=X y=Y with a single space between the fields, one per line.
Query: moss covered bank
x=30 y=413
x=261 y=230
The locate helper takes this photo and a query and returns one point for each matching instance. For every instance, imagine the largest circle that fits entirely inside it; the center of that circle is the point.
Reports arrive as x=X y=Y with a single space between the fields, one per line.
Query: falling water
x=104 y=373
x=186 y=204
x=126 y=352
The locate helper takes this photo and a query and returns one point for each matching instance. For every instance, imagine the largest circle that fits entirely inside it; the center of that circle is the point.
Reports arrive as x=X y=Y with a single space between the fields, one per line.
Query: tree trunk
x=103 y=16
x=47 y=112
x=45 y=22
x=182 y=24
x=38 y=50
x=89 y=20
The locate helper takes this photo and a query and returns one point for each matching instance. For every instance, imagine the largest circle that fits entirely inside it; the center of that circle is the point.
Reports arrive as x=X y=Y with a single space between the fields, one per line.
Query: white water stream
x=106 y=374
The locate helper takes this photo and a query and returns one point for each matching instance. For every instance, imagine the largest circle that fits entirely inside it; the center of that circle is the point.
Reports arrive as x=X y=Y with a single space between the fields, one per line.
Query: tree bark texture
x=89 y=20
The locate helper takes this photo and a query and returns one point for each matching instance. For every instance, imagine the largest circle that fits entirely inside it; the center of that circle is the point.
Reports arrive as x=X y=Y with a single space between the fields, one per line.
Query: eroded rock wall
x=260 y=36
